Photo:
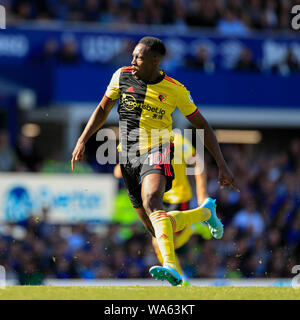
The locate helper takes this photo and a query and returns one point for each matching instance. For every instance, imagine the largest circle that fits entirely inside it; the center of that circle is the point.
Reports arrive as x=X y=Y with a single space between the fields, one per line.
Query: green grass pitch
x=147 y=293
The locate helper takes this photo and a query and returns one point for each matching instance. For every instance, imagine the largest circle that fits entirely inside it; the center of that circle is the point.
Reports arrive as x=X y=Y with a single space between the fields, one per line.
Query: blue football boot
x=214 y=223
x=166 y=273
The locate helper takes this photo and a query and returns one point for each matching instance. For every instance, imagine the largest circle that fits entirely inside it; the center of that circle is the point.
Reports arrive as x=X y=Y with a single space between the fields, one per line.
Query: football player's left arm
x=211 y=143
x=200 y=177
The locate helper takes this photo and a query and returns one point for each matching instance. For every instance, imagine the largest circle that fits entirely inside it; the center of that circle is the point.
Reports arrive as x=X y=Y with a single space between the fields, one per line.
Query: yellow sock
x=184 y=219
x=160 y=258
x=183 y=237
x=178 y=266
x=157 y=251
x=164 y=236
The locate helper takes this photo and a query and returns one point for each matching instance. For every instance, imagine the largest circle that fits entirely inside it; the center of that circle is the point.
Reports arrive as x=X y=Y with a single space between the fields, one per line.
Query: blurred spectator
x=8 y=158
x=276 y=266
x=274 y=239
x=232 y=17
x=76 y=239
x=110 y=14
x=232 y=268
x=91 y=11
x=69 y=51
x=231 y=25
x=293 y=233
x=269 y=17
x=248 y=219
x=28 y=155
x=180 y=17
x=294 y=153
x=254 y=9
x=65 y=269
x=124 y=57
x=74 y=10
x=171 y=62
x=201 y=61
x=246 y=62
x=50 y=52
x=288 y=65
x=203 y=13
x=22 y=10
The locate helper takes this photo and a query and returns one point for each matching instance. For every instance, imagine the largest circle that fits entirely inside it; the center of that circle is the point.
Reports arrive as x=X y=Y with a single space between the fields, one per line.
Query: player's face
x=143 y=61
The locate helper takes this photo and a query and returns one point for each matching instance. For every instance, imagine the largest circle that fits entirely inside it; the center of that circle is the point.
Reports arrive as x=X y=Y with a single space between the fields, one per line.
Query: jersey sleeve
x=185 y=103
x=113 y=91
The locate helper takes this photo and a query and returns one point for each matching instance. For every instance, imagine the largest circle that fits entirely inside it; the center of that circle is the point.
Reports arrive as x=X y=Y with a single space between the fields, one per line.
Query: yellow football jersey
x=145 y=109
x=181 y=190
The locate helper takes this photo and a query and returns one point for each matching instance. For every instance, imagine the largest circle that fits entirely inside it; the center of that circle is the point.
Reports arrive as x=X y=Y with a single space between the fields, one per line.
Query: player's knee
x=152 y=202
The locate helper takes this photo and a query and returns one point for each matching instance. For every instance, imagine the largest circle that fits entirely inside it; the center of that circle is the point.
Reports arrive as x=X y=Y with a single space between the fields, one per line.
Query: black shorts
x=157 y=160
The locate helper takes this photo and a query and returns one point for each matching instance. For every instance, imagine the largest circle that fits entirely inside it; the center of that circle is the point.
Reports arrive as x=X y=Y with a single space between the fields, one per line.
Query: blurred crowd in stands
x=261 y=239
x=224 y=17
x=227 y=16
x=67 y=52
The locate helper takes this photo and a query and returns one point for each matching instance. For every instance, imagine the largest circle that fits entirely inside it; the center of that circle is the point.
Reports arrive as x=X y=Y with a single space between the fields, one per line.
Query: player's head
x=147 y=56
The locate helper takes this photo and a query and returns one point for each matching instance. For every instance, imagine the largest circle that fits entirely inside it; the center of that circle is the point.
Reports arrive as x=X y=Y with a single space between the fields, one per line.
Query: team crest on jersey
x=162 y=97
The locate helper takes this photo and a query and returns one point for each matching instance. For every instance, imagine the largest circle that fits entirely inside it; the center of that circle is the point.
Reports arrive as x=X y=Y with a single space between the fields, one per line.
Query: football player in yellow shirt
x=179 y=196
x=147 y=97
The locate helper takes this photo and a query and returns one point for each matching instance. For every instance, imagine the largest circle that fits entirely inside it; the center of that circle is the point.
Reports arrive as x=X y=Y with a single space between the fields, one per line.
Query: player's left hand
x=226 y=179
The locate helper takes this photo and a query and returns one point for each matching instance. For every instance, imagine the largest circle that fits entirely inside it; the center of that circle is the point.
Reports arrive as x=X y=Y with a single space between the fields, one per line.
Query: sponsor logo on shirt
x=129 y=102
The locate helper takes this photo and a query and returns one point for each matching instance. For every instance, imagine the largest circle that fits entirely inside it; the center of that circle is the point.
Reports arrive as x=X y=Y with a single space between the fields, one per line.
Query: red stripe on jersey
x=171 y=80
x=127 y=69
x=192 y=114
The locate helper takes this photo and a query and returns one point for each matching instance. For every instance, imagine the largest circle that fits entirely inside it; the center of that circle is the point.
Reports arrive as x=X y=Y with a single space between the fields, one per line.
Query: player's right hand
x=117 y=171
x=78 y=153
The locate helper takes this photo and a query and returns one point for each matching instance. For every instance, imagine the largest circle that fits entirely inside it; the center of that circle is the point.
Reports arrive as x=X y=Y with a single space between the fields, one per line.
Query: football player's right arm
x=95 y=122
x=98 y=117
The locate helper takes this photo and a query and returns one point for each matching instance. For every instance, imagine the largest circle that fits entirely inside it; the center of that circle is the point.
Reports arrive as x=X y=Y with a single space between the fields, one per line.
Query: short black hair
x=155 y=45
